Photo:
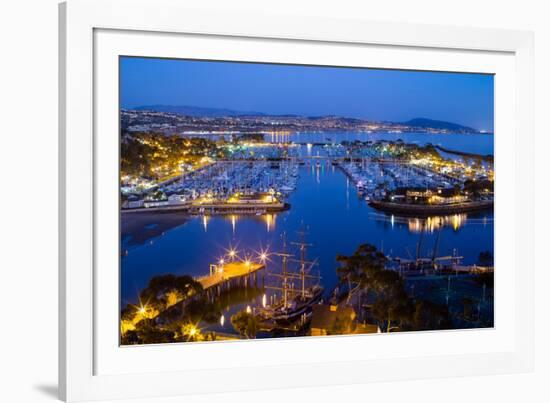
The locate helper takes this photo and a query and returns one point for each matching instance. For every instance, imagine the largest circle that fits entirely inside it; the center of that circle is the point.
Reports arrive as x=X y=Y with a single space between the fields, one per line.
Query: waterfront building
x=332 y=319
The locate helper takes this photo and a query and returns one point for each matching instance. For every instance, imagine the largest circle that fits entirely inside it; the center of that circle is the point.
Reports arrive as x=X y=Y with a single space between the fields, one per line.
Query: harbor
x=408 y=242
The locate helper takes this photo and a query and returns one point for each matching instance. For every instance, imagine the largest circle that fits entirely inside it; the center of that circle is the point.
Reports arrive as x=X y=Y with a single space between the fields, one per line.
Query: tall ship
x=298 y=288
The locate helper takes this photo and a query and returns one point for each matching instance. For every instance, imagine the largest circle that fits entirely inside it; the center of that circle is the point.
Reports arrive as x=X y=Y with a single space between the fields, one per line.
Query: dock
x=225 y=274
x=214 y=208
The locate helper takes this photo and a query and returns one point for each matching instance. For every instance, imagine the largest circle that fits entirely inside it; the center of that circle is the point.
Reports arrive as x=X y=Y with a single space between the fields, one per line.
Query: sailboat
x=295 y=301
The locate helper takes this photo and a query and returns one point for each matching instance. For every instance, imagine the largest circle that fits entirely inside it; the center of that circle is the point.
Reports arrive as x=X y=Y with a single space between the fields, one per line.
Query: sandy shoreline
x=143 y=226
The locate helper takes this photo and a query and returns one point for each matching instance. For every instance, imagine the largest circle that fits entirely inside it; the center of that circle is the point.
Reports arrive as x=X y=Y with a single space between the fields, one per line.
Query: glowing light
x=269 y=220
x=264 y=300
x=222 y=320
x=192 y=331
x=248 y=309
x=233 y=222
x=457 y=221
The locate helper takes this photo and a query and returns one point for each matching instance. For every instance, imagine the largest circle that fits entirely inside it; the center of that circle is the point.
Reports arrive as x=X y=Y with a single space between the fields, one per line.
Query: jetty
x=225 y=274
x=213 y=208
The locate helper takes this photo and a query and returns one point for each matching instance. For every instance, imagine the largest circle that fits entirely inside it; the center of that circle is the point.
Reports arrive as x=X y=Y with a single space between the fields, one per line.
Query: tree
x=148 y=332
x=162 y=288
x=245 y=324
x=392 y=302
x=361 y=266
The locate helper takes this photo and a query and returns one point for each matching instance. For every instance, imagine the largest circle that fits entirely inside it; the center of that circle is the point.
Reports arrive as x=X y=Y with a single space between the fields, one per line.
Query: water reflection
x=233 y=222
x=431 y=224
x=417 y=225
x=269 y=219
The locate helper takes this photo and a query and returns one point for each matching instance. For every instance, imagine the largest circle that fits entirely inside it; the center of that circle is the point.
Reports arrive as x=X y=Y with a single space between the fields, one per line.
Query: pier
x=219 y=207
x=226 y=273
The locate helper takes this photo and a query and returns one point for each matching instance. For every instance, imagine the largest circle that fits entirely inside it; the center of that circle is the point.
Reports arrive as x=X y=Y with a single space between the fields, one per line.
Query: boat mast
x=303 y=246
x=284 y=275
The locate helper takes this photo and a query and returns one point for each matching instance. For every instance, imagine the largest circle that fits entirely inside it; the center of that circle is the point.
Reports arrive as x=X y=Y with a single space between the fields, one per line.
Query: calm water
x=472 y=143
x=337 y=220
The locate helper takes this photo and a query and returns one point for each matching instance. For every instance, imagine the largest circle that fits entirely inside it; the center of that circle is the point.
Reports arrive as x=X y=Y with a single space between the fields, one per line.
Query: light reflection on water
x=270 y=220
x=431 y=224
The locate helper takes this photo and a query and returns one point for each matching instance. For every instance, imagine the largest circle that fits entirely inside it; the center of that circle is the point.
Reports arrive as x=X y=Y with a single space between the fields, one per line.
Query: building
x=332 y=319
x=175 y=199
x=429 y=196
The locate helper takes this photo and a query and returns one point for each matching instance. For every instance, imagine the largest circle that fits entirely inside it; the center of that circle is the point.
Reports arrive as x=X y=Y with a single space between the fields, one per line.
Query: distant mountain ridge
x=197 y=111
x=426 y=123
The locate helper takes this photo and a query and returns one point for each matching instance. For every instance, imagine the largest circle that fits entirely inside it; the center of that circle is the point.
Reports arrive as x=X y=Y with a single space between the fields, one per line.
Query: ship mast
x=303 y=247
x=288 y=277
x=284 y=275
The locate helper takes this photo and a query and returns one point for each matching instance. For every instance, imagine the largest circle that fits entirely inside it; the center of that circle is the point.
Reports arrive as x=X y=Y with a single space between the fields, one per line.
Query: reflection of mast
x=436 y=246
x=419 y=244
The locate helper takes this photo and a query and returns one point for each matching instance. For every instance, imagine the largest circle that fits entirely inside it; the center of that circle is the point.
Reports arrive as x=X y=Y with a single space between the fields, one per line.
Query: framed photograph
x=245 y=206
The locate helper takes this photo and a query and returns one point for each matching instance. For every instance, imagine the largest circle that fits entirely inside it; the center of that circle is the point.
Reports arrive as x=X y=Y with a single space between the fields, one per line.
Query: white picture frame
x=92 y=32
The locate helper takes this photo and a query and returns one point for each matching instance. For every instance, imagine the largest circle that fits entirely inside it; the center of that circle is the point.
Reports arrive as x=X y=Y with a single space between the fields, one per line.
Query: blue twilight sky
x=390 y=95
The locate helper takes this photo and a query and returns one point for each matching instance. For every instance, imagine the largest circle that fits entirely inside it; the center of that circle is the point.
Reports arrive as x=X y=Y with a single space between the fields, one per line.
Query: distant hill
x=439 y=124
x=195 y=110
